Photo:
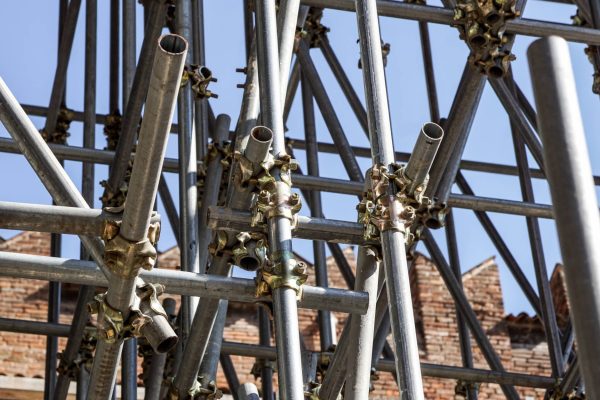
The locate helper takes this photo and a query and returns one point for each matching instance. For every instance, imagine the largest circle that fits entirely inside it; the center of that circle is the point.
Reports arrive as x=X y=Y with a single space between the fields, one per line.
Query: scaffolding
x=237 y=206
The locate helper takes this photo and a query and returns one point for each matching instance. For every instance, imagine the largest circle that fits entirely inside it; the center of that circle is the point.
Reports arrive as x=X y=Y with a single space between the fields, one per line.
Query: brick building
x=519 y=340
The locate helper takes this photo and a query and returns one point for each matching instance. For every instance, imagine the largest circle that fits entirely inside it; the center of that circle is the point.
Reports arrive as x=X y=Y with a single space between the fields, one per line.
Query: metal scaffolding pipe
x=137 y=95
x=164 y=84
x=444 y=16
x=362 y=327
x=392 y=241
x=420 y=161
x=44 y=163
x=430 y=370
x=280 y=247
x=57 y=219
x=573 y=195
x=60 y=75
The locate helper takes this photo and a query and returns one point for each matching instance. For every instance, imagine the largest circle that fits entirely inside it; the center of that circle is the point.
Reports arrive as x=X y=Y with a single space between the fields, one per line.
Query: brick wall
x=517 y=339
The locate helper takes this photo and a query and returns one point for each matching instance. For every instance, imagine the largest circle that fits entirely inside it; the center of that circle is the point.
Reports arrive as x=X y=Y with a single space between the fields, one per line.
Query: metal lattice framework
x=245 y=213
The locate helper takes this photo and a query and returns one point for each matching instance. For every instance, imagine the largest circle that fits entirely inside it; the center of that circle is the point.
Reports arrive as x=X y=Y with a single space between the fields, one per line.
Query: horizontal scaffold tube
x=337 y=231
x=176 y=282
x=444 y=16
x=266 y=352
x=57 y=219
x=329 y=230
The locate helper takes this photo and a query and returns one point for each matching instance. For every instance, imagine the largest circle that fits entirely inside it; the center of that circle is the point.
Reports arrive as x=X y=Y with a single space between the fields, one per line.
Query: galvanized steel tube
x=163 y=87
x=392 y=242
x=280 y=238
x=362 y=327
x=575 y=205
x=420 y=161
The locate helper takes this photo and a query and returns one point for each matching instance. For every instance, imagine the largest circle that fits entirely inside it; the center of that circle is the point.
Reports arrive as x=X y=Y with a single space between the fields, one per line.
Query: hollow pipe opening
x=432 y=131
x=261 y=134
x=205 y=73
x=249 y=263
x=477 y=40
x=173 y=44
x=495 y=71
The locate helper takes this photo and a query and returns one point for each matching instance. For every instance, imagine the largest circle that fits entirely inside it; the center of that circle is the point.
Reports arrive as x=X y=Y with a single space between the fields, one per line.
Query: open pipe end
x=249 y=263
x=160 y=334
x=172 y=44
x=432 y=131
x=261 y=134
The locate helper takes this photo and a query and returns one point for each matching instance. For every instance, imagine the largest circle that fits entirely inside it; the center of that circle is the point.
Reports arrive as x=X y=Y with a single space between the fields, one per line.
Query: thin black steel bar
x=60 y=75
x=54 y=302
x=334 y=126
x=198 y=56
x=267 y=352
x=113 y=84
x=539 y=261
x=169 y=204
x=230 y=375
x=266 y=371
x=432 y=97
x=462 y=303
x=80 y=316
x=316 y=210
x=129 y=357
x=430 y=370
x=344 y=82
x=463 y=332
x=502 y=247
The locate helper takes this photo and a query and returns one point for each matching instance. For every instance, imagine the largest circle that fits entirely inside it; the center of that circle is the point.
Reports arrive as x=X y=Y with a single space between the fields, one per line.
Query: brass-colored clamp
x=125 y=258
x=250 y=244
x=285 y=271
x=481 y=23
x=405 y=212
x=275 y=198
x=110 y=320
x=61 y=131
x=199 y=77
x=379 y=210
x=145 y=305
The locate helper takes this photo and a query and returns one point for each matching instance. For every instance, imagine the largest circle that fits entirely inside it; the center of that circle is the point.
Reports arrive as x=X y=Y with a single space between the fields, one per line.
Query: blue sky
x=28 y=61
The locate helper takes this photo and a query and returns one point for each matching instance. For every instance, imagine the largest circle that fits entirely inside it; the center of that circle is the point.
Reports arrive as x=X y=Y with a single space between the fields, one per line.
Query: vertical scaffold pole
x=573 y=196
x=392 y=240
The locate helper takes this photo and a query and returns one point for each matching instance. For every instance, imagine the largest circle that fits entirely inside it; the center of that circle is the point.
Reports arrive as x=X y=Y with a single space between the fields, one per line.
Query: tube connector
x=149 y=319
x=481 y=24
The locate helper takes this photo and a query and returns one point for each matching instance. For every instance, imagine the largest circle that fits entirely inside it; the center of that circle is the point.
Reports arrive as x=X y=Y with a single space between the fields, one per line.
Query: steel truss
x=247 y=214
